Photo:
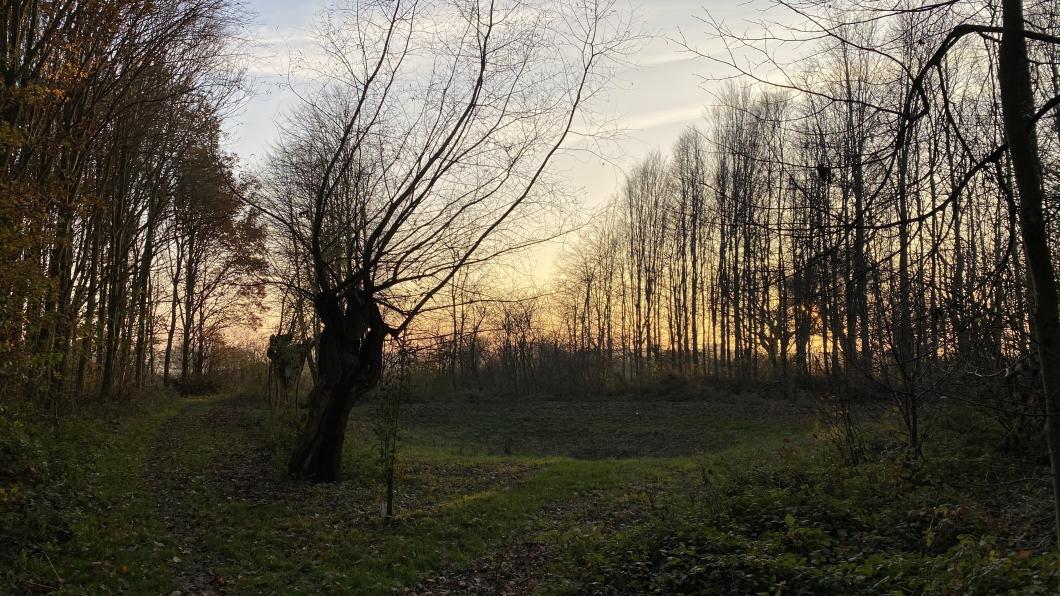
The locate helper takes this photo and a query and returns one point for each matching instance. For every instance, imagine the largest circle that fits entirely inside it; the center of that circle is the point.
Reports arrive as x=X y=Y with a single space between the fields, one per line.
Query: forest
x=808 y=344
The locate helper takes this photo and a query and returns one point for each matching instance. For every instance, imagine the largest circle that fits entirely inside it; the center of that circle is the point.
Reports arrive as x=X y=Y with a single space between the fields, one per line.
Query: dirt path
x=175 y=481
x=211 y=452
x=516 y=570
x=172 y=484
x=189 y=463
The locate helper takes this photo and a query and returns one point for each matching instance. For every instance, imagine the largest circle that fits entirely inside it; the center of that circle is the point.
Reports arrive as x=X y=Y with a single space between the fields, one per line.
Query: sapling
x=393 y=388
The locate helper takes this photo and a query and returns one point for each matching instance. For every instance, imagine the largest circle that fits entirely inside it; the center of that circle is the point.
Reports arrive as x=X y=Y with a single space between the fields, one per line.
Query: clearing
x=514 y=496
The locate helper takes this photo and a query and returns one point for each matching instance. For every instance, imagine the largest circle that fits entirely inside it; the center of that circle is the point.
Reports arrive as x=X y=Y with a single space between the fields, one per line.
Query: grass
x=88 y=519
x=474 y=476
x=616 y=496
x=587 y=429
x=964 y=520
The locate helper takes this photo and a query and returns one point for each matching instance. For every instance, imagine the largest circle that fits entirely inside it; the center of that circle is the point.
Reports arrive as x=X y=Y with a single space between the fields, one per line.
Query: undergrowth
x=961 y=521
x=75 y=514
x=728 y=497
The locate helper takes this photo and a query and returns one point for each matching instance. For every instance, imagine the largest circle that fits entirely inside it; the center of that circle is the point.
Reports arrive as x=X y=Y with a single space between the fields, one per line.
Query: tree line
x=879 y=214
x=125 y=250
x=877 y=218
x=787 y=237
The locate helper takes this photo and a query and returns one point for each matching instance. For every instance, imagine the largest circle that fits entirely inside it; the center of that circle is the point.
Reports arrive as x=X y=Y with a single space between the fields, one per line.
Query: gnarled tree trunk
x=350 y=362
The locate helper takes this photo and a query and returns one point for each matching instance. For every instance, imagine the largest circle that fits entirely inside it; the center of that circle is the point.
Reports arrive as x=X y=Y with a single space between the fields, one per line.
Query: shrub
x=35 y=501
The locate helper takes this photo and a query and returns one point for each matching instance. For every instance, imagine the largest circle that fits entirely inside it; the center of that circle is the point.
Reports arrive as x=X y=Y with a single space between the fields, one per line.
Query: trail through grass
x=476 y=479
x=512 y=497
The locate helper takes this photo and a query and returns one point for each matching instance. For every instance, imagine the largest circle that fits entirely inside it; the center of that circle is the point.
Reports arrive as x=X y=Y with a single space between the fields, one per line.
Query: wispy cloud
x=665 y=58
x=663 y=117
x=276 y=50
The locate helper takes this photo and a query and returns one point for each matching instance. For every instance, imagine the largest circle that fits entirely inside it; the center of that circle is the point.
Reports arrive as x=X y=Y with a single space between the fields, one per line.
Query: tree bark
x=1017 y=105
x=349 y=365
x=190 y=282
x=173 y=305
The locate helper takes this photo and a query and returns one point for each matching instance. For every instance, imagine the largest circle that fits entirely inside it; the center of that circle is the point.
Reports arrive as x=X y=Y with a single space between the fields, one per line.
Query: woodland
x=812 y=346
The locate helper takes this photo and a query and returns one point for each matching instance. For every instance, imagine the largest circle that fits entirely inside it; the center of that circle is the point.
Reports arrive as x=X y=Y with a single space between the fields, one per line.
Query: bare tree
x=944 y=155
x=425 y=152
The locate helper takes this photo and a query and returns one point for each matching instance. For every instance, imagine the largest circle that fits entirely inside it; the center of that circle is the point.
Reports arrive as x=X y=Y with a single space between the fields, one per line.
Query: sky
x=662 y=92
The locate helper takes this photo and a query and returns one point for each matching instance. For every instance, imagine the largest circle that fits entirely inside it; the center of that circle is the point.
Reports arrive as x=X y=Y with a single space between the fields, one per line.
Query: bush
x=35 y=501
x=817 y=529
x=198 y=385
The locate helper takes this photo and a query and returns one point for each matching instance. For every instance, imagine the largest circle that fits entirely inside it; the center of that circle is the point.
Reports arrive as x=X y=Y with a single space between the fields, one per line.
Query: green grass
x=964 y=520
x=474 y=476
x=624 y=496
x=590 y=429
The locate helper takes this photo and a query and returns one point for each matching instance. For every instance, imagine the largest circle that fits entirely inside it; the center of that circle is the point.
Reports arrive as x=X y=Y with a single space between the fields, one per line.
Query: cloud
x=663 y=117
x=663 y=59
x=275 y=51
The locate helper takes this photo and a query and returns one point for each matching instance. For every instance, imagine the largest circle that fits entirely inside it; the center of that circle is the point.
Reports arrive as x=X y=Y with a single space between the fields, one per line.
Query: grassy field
x=721 y=495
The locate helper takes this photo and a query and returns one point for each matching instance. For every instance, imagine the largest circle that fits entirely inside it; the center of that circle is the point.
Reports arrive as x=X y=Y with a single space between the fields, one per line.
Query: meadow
x=621 y=494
